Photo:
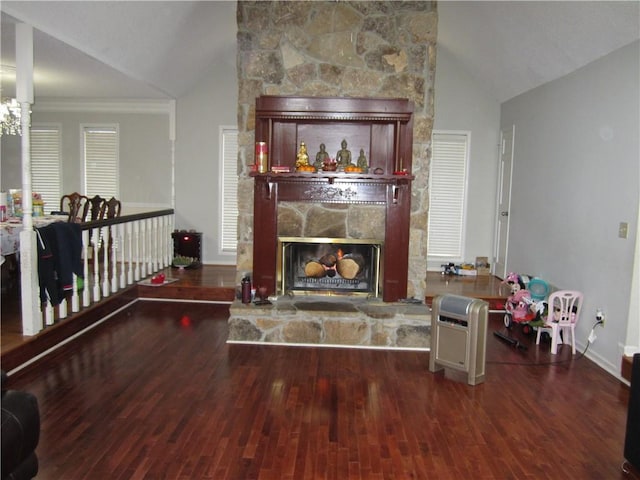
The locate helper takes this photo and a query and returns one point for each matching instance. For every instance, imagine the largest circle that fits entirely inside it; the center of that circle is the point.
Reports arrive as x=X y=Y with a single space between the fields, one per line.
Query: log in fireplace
x=384 y=127
x=328 y=266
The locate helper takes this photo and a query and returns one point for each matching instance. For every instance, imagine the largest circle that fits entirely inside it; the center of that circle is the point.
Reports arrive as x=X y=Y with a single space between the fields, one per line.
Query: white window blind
x=229 y=190
x=101 y=145
x=447 y=190
x=45 y=165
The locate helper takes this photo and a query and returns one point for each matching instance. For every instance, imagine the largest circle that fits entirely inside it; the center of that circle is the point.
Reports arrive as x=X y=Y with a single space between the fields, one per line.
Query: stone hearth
x=332 y=321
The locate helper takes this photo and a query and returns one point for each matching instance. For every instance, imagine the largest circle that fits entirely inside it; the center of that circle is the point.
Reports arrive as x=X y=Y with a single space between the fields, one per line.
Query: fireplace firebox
x=328 y=266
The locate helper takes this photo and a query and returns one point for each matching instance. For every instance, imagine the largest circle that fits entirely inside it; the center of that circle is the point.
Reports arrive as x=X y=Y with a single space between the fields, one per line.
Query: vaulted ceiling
x=149 y=49
x=122 y=49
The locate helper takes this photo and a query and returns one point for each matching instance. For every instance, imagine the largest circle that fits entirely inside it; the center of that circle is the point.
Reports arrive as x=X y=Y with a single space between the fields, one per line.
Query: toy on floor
x=520 y=307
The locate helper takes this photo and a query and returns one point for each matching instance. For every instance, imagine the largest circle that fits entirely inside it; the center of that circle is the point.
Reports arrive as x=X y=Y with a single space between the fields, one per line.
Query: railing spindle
x=136 y=228
x=114 y=257
x=123 y=273
x=105 y=261
x=86 y=293
x=143 y=242
x=129 y=228
x=96 y=266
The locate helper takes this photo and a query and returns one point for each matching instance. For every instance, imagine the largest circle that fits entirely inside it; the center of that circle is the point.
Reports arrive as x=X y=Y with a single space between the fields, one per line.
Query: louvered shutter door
x=447 y=192
x=101 y=161
x=45 y=165
x=229 y=227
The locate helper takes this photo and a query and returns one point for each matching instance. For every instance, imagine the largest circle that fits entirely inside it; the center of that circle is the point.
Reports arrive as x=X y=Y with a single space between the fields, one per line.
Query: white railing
x=115 y=254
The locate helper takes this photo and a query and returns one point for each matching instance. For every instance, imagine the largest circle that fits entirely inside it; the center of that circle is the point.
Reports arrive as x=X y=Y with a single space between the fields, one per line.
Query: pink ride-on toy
x=519 y=307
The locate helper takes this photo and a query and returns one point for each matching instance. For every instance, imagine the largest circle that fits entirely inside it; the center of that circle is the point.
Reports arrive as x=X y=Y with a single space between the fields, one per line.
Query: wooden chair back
x=111 y=208
x=76 y=205
x=96 y=208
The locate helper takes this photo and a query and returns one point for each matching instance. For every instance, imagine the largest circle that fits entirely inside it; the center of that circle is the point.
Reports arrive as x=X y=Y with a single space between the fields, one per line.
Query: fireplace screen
x=328 y=266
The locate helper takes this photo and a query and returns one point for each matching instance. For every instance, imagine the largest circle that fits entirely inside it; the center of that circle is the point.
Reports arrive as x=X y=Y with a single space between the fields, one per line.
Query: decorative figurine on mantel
x=362 y=162
x=343 y=157
x=302 y=160
x=322 y=157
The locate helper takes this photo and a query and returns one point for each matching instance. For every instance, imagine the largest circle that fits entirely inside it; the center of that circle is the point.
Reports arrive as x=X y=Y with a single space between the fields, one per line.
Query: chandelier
x=10 y=117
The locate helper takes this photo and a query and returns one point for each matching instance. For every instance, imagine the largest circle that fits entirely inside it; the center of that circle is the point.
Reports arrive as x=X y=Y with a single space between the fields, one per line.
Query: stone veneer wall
x=328 y=48
x=332 y=220
x=332 y=322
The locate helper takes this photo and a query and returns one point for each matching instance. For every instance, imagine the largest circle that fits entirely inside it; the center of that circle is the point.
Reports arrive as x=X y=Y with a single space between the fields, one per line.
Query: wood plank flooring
x=156 y=393
x=209 y=283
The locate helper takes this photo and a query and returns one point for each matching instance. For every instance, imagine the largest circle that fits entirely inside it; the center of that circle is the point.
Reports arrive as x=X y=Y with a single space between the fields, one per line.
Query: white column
x=31 y=313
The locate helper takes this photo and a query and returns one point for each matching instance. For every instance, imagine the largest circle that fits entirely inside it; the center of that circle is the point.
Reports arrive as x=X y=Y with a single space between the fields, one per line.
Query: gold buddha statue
x=303 y=157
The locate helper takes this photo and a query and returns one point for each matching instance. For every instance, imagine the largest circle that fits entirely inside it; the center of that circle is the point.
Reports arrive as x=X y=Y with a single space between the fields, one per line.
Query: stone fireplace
x=382 y=49
x=345 y=235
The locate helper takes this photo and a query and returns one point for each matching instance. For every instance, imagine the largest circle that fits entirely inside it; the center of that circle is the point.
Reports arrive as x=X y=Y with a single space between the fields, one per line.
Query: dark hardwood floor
x=157 y=393
x=209 y=283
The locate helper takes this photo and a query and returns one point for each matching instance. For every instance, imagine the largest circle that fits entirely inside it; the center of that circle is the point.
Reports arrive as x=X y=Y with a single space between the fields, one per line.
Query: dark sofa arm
x=20 y=433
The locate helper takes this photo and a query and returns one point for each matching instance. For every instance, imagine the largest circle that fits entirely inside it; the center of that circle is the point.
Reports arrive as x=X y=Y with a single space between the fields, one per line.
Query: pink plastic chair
x=564 y=312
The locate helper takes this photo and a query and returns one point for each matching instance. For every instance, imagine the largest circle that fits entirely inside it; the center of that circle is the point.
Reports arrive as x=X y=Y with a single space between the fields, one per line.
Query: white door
x=504 y=202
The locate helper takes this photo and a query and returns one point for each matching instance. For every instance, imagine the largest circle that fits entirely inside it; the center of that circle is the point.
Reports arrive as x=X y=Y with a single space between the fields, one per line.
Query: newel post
x=31 y=313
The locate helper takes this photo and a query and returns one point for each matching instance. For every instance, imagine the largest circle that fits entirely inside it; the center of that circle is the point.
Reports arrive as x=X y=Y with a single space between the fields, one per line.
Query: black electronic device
x=632 y=436
x=188 y=244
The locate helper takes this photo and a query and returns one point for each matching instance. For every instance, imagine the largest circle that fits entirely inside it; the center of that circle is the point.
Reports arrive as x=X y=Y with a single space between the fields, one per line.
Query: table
x=9 y=238
x=10 y=232
x=486 y=287
x=10 y=246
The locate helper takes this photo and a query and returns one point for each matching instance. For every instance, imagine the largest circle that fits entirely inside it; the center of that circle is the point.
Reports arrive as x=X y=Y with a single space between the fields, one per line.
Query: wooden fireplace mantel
x=383 y=128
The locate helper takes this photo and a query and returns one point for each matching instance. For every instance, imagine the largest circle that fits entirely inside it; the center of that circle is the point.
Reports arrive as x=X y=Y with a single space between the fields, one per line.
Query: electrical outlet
x=623 y=230
x=600 y=317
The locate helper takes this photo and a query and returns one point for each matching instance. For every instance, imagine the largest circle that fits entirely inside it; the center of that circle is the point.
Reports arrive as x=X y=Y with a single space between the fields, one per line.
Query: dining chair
x=76 y=205
x=111 y=208
x=96 y=207
x=563 y=315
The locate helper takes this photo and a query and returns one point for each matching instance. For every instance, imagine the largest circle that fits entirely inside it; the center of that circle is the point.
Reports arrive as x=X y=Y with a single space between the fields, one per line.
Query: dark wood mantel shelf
x=332 y=188
x=331 y=177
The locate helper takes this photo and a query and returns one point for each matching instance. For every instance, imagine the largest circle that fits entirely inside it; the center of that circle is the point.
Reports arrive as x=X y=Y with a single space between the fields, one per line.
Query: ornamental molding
x=331 y=194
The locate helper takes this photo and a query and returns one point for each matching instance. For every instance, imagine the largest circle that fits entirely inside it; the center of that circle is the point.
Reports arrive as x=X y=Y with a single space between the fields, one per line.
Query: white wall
x=211 y=104
x=576 y=176
x=10 y=162
x=145 y=154
x=462 y=104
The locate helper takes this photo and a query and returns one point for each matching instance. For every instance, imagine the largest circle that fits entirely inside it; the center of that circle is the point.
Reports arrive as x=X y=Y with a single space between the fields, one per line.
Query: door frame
x=503 y=208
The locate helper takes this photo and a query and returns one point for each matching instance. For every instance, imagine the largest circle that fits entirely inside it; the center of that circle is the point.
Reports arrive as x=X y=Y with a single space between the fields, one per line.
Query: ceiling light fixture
x=10 y=114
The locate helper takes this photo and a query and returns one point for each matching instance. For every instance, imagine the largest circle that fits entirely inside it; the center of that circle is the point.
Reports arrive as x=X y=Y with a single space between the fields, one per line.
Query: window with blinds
x=100 y=147
x=228 y=190
x=45 y=164
x=447 y=191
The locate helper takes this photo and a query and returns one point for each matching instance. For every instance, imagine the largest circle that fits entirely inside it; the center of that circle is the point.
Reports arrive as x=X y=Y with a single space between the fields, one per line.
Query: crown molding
x=104 y=105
